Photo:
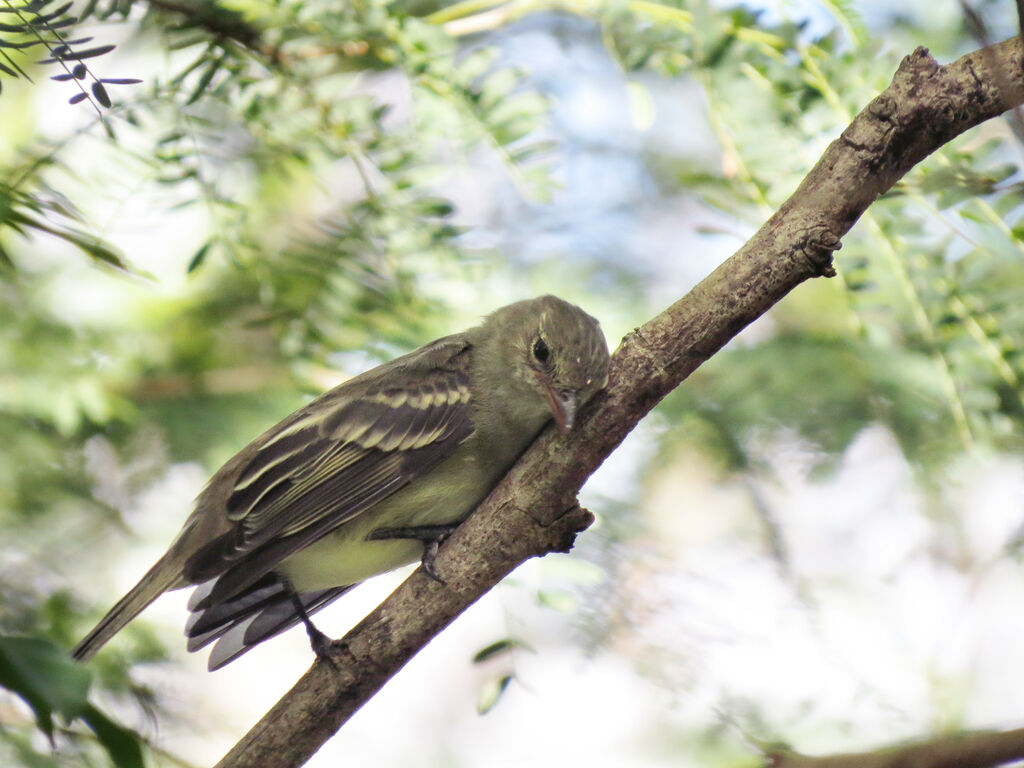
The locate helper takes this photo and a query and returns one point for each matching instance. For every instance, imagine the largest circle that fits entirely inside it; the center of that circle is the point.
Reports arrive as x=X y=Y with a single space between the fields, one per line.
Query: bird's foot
x=432 y=537
x=318 y=641
x=321 y=644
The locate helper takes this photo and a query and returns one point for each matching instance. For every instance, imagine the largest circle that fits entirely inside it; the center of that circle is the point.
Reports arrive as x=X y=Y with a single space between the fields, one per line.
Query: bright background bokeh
x=817 y=540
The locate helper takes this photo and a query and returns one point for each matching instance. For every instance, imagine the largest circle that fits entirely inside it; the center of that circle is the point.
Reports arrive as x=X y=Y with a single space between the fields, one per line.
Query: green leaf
x=491 y=693
x=45 y=677
x=101 y=94
x=434 y=206
x=122 y=744
x=560 y=600
x=498 y=648
x=199 y=257
x=204 y=81
x=71 y=55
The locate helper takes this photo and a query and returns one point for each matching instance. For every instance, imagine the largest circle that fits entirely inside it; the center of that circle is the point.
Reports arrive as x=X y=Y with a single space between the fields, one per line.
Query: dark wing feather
x=248 y=619
x=207 y=624
x=368 y=491
x=337 y=457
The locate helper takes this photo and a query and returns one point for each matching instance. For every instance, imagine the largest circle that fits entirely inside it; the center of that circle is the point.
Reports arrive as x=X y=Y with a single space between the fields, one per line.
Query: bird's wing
x=336 y=458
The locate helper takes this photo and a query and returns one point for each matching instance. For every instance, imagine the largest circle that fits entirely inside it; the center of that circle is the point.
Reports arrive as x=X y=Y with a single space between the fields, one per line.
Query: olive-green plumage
x=418 y=441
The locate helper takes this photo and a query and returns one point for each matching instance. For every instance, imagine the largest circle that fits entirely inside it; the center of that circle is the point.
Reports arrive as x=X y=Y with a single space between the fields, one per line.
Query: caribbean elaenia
x=368 y=477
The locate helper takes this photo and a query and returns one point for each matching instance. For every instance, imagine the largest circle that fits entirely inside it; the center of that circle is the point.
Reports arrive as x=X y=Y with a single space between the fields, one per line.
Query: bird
x=368 y=477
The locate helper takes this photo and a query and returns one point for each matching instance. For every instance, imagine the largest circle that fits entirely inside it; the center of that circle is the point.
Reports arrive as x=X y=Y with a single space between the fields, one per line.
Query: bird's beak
x=563 y=407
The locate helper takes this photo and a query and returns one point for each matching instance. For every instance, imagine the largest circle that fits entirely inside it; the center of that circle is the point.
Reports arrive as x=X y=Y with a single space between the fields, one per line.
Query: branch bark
x=984 y=749
x=533 y=511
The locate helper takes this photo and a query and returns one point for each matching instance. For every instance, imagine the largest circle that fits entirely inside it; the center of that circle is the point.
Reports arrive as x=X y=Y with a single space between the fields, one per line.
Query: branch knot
x=874 y=136
x=816 y=245
x=920 y=63
x=884 y=108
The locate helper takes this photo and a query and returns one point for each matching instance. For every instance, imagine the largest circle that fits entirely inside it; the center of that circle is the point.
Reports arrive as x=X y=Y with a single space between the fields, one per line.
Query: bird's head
x=553 y=354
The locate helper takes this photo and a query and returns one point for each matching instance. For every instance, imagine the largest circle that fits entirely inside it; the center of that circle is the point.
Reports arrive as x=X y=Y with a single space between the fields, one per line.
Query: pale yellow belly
x=344 y=556
x=333 y=562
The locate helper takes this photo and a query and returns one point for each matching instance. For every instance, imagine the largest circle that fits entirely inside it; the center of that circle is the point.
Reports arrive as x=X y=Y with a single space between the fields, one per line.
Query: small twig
x=984 y=749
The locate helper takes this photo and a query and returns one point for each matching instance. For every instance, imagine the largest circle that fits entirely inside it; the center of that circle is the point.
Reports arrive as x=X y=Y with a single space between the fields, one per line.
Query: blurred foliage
x=929 y=341
x=29 y=27
x=313 y=139
x=43 y=676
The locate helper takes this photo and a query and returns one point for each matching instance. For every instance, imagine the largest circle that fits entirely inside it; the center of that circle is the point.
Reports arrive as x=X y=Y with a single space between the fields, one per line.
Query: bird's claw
x=321 y=645
x=429 y=555
x=431 y=536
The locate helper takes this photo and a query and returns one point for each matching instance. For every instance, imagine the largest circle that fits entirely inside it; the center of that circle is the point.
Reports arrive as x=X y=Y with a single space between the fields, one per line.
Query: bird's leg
x=431 y=536
x=318 y=641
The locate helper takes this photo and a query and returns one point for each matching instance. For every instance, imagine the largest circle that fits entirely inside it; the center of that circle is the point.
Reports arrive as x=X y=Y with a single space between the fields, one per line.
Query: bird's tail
x=161 y=577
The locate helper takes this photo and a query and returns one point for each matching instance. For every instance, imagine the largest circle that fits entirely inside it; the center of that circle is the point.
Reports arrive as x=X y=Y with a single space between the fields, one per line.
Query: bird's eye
x=541 y=351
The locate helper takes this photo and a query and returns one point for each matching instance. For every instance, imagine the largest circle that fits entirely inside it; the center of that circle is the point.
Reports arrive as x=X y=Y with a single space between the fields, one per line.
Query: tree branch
x=217 y=20
x=984 y=749
x=925 y=106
